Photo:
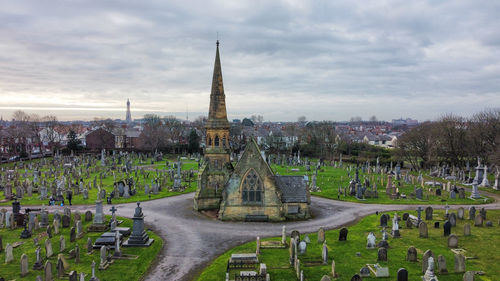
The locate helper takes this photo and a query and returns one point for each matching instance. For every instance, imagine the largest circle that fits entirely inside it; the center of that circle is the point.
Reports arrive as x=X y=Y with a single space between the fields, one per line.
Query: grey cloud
x=322 y=59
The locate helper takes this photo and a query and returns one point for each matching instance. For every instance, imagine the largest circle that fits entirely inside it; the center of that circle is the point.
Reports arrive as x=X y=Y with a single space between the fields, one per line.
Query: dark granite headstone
x=66 y=221
x=88 y=216
x=428 y=213
x=402 y=275
x=383 y=220
x=447 y=228
x=382 y=254
x=356 y=278
x=343 y=234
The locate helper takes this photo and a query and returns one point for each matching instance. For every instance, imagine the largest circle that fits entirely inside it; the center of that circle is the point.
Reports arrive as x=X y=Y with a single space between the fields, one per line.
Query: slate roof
x=293 y=189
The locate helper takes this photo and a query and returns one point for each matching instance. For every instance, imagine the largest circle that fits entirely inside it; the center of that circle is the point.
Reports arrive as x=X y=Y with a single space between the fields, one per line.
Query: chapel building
x=249 y=190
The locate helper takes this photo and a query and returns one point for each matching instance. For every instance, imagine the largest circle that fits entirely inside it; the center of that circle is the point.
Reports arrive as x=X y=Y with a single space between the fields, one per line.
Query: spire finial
x=217 y=43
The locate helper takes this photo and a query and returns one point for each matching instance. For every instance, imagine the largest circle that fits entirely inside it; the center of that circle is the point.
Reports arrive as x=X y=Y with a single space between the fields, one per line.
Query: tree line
x=454 y=140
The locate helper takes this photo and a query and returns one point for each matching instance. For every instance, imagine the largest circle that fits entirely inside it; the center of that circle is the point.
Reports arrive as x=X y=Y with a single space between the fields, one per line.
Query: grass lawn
x=133 y=269
x=482 y=246
x=107 y=184
x=331 y=178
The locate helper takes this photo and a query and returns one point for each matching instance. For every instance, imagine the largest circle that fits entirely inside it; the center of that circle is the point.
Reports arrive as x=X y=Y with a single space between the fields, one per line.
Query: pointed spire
x=217 y=115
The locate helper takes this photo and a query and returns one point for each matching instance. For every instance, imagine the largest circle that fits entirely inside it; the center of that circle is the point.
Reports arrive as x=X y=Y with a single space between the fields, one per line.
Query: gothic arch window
x=224 y=141
x=216 y=143
x=209 y=140
x=252 y=188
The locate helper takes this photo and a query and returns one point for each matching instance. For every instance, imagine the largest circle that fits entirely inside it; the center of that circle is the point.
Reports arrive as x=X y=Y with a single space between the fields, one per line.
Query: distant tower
x=128 y=118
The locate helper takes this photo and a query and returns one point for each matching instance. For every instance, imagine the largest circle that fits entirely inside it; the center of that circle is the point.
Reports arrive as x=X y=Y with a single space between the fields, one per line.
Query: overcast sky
x=326 y=60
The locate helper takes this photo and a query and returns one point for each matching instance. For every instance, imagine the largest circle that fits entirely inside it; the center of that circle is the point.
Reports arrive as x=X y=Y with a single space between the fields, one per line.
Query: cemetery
x=422 y=244
x=113 y=176
x=381 y=184
x=38 y=245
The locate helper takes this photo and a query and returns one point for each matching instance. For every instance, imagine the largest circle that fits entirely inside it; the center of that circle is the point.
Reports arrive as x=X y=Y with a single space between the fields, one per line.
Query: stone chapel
x=249 y=190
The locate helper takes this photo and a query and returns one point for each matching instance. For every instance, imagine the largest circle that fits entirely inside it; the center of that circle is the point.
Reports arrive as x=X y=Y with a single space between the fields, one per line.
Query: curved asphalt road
x=192 y=240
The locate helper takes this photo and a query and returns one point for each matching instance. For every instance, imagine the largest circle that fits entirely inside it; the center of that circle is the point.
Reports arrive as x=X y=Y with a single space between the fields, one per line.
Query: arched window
x=216 y=141
x=209 y=140
x=252 y=188
x=224 y=141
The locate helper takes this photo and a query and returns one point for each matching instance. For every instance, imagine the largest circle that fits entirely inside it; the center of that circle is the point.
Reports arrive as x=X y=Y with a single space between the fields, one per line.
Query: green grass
x=482 y=245
x=107 y=184
x=331 y=178
x=119 y=270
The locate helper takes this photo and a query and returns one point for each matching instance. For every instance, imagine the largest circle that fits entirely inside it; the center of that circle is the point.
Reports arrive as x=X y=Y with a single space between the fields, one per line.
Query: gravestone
x=453 y=219
x=472 y=213
x=447 y=228
x=9 y=256
x=382 y=254
x=422 y=230
x=460 y=213
x=343 y=234
x=428 y=213
x=429 y=273
x=468 y=276
x=370 y=241
x=56 y=225
x=459 y=263
x=436 y=224
x=383 y=220
x=62 y=244
x=72 y=235
x=409 y=224
x=38 y=264
x=48 y=248
x=453 y=241
x=419 y=193
x=321 y=235
x=425 y=260
x=89 y=245
x=461 y=193
x=24 y=265
x=77 y=216
x=48 y=271
x=402 y=275
x=66 y=220
x=489 y=223
x=302 y=247
x=333 y=268
x=73 y=276
x=60 y=267
x=364 y=271
x=139 y=237
x=442 y=265
x=411 y=254
x=406 y=216
x=482 y=213
x=295 y=234
x=79 y=229
x=467 y=231
x=324 y=253
x=88 y=216
x=356 y=277
x=478 y=221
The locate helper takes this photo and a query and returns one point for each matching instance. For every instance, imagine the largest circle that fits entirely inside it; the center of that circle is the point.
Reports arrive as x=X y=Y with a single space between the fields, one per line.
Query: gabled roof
x=293 y=189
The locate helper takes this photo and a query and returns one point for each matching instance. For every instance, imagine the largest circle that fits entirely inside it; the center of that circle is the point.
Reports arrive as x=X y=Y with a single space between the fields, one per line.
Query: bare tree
x=153 y=134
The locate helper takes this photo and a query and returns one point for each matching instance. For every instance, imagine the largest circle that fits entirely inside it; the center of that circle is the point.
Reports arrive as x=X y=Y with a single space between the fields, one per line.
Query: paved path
x=193 y=240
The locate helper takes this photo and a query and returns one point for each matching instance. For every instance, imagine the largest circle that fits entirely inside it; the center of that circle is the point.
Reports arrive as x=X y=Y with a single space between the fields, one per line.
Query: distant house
x=99 y=139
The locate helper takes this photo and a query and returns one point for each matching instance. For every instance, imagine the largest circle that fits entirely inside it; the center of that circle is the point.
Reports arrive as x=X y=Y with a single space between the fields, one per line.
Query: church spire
x=217 y=115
